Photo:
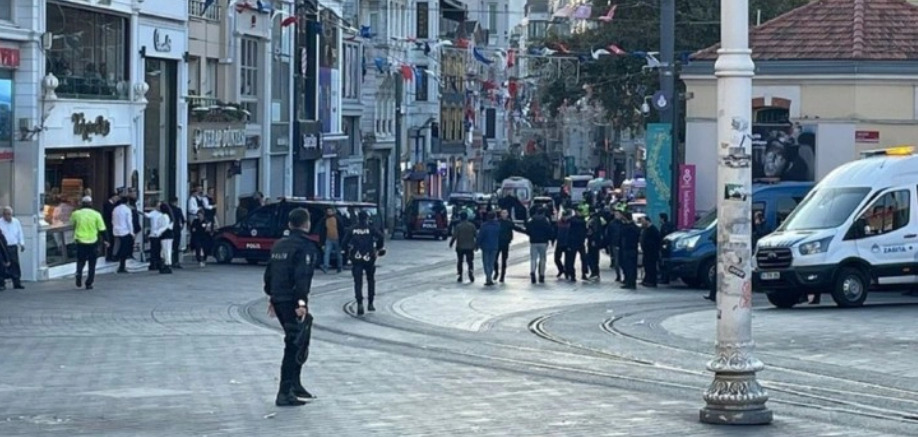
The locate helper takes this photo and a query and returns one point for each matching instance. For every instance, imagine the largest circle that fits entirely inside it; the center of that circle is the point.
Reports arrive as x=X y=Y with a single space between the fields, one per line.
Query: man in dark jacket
x=288 y=280
x=650 y=246
x=363 y=243
x=628 y=250
x=465 y=237
x=575 y=247
x=107 y=208
x=178 y=223
x=562 y=241
x=540 y=234
x=613 y=239
x=666 y=227
x=595 y=243
x=503 y=245
x=488 y=241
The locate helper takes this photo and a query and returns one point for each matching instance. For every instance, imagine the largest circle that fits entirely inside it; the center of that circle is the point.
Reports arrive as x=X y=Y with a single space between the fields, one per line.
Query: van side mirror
x=857 y=230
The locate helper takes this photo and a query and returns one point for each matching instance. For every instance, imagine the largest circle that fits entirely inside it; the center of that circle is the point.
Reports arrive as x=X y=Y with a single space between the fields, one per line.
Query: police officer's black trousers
x=570 y=257
x=593 y=260
x=629 y=267
x=358 y=269
x=290 y=370
x=651 y=274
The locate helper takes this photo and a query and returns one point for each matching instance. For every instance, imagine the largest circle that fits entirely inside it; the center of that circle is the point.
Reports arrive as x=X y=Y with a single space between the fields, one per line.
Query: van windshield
x=825 y=208
x=706 y=221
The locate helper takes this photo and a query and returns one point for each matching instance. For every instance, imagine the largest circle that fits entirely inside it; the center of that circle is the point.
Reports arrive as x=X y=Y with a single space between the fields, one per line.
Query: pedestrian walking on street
x=363 y=244
x=178 y=224
x=11 y=229
x=288 y=280
x=162 y=230
x=562 y=241
x=88 y=231
x=330 y=230
x=488 y=242
x=108 y=209
x=575 y=247
x=613 y=239
x=628 y=249
x=596 y=237
x=539 y=230
x=465 y=238
x=650 y=247
x=123 y=233
x=503 y=245
x=156 y=249
x=4 y=261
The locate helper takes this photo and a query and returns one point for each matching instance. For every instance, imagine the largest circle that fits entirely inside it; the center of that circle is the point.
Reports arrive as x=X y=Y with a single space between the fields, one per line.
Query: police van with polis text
x=856 y=231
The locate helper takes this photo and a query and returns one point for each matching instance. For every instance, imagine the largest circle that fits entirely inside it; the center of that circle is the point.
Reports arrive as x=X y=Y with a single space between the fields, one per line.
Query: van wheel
x=783 y=300
x=408 y=236
x=851 y=286
x=251 y=261
x=223 y=252
x=691 y=282
x=707 y=274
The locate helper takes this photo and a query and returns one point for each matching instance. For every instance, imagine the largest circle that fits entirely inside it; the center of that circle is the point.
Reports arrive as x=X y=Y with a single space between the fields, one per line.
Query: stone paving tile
x=136 y=357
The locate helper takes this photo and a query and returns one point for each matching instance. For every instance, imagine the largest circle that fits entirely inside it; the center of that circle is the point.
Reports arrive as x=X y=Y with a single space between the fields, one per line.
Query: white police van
x=858 y=228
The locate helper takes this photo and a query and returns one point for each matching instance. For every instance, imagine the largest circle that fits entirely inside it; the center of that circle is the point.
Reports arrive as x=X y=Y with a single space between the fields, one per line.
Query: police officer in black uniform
x=288 y=280
x=363 y=243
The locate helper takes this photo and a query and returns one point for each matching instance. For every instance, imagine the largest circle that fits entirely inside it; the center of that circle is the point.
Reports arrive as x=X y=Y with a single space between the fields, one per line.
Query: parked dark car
x=252 y=237
x=426 y=216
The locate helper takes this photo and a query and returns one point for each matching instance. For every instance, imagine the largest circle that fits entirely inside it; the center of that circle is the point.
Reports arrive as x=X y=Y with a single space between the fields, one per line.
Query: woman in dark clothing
x=200 y=237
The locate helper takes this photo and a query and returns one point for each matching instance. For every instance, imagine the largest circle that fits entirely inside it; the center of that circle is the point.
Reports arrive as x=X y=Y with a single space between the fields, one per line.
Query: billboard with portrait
x=783 y=152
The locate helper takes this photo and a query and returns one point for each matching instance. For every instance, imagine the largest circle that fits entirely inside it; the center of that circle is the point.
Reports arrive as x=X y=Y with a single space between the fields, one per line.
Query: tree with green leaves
x=621 y=82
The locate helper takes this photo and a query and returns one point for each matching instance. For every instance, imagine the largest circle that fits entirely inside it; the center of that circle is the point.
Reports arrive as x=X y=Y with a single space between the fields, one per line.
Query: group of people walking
x=583 y=233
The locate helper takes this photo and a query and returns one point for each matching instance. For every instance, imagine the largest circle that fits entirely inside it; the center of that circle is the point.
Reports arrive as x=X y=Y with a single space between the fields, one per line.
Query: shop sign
x=867 y=137
x=9 y=58
x=218 y=143
x=86 y=128
x=162 y=42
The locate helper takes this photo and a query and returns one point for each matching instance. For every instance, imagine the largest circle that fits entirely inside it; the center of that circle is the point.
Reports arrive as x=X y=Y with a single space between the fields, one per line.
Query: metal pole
x=735 y=396
x=397 y=171
x=668 y=86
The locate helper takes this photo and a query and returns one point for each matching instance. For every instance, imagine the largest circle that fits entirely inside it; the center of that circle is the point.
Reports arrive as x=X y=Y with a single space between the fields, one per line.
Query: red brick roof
x=836 y=30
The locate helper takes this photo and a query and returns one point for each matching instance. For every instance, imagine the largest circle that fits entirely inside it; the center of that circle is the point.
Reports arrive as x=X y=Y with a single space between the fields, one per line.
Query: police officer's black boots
x=360 y=308
x=286 y=396
x=298 y=389
x=370 y=306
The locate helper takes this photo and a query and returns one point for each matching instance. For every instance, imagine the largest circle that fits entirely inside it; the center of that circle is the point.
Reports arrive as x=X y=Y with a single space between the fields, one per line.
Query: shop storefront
x=215 y=162
x=162 y=47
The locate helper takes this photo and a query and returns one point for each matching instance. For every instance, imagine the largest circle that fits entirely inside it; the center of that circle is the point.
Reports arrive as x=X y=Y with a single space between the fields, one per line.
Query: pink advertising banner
x=686 y=196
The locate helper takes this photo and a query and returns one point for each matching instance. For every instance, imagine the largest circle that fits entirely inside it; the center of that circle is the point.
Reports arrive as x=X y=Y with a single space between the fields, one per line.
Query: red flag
x=609 y=15
x=616 y=50
x=407 y=72
x=288 y=21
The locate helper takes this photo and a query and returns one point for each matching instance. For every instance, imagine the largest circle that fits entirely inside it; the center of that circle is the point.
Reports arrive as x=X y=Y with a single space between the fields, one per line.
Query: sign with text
x=163 y=42
x=659 y=147
x=9 y=58
x=867 y=137
x=87 y=128
x=686 y=196
x=210 y=142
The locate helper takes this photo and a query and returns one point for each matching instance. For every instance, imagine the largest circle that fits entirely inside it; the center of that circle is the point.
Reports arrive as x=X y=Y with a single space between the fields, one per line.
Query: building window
x=350 y=79
x=89 y=54
x=248 y=77
x=492 y=18
x=420 y=84
x=352 y=130
x=209 y=87
x=6 y=109
x=194 y=76
x=6 y=10
x=423 y=22
x=385 y=109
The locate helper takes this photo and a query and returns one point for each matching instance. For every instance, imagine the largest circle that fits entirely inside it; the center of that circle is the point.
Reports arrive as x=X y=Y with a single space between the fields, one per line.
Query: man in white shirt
x=123 y=232
x=15 y=243
x=156 y=248
x=197 y=201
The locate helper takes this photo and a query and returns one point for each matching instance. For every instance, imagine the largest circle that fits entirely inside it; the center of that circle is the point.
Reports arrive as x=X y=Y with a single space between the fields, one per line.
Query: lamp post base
x=735 y=399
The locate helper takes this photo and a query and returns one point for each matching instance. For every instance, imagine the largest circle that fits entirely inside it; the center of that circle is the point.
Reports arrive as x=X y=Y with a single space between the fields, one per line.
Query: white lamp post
x=735 y=396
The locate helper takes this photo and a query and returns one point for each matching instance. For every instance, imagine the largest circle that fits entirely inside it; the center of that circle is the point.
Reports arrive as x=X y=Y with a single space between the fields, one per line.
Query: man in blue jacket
x=488 y=242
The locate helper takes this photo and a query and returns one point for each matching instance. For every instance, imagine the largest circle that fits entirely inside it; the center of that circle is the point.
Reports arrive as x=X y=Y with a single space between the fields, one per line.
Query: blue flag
x=207 y=4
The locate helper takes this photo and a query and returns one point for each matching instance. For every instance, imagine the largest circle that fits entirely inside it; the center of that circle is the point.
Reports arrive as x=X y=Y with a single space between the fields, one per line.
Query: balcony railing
x=196 y=9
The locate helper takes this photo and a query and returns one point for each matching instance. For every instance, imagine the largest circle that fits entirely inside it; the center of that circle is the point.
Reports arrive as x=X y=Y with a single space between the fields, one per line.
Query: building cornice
x=841 y=68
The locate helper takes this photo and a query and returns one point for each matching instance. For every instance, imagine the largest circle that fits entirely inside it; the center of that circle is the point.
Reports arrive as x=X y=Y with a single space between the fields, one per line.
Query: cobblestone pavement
x=194 y=354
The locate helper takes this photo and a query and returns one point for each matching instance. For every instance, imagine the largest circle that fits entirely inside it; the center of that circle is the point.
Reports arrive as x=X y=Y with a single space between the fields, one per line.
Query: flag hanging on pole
x=288 y=21
x=207 y=4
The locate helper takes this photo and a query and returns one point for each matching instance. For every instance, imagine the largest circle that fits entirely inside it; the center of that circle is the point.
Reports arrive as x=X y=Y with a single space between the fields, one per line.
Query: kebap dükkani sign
x=220 y=142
